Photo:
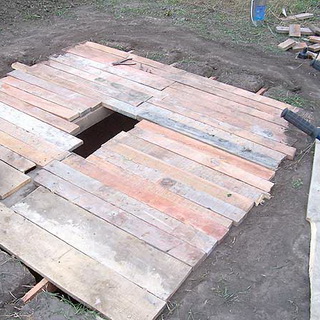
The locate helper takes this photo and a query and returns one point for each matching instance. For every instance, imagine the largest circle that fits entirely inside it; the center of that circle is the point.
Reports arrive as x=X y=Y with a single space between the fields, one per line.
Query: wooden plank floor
x=122 y=229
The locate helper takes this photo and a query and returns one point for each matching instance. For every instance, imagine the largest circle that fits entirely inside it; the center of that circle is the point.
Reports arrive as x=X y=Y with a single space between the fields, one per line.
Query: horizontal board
x=11 y=180
x=15 y=160
x=135 y=260
x=133 y=206
x=67 y=268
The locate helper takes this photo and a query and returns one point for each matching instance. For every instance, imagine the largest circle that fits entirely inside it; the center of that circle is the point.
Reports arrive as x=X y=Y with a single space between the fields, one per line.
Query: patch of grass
x=294 y=100
x=297 y=184
x=226 y=294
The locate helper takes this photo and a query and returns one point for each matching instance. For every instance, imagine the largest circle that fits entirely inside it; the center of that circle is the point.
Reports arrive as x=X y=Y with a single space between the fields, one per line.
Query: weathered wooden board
x=39 y=113
x=67 y=268
x=187 y=165
x=295 y=30
x=314 y=39
x=286 y=45
x=15 y=160
x=202 y=219
x=51 y=134
x=133 y=206
x=135 y=260
x=11 y=180
x=122 y=219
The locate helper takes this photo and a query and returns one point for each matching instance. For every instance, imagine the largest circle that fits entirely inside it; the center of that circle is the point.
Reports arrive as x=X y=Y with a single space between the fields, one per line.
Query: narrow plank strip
x=122 y=219
x=11 y=180
x=135 y=260
x=74 y=101
x=133 y=206
x=50 y=75
x=237 y=146
x=15 y=160
x=97 y=69
x=68 y=269
x=211 y=157
x=41 y=103
x=43 y=285
x=38 y=113
x=196 y=216
x=51 y=134
x=179 y=162
x=286 y=45
x=190 y=192
x=40 y=157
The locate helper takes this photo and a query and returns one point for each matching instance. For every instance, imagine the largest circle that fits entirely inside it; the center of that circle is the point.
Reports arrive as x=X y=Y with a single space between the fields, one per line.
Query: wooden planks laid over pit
x=121 y=230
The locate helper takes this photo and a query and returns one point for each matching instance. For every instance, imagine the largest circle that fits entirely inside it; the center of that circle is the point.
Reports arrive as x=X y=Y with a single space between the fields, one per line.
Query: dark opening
x=103 y=131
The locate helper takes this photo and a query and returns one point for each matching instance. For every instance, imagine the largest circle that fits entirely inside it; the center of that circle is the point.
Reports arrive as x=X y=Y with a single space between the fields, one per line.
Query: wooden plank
x=238 y=127
x=122 y=219
x=135 y=260
x=315 y=47
x=167 y=181
x=286 y=45
x=68 y=269
x=200 y=100
x=11 y=180
x=207 y=155
x=304 y=31
x=314 y=39
x=43 y=285
x=75 y=101
x=15 y=160
x=315 y=29
x=51 y=134
x=30 y=151
x=101 y=72
x=50 y=75
x=299 y=46
x=300 y=16
x=107 y=85
x=179 y=162
x=227 y=142
x=202 y=219
x=295 y=30
x=39 y=113
x=41 y=103
x=133 y=206
x=313 y=216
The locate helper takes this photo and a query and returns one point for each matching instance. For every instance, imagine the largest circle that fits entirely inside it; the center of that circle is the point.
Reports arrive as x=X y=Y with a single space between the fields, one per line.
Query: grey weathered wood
x=15 y=160
x=10 y=180
x=80 y=276
x=192 y=128
x=313 y=216
x=134 y=207
x=121 y=219
x=135 y=260
x=51 y=134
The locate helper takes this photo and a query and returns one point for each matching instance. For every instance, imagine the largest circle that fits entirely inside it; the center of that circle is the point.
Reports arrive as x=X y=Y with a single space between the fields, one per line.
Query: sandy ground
x=260 y=271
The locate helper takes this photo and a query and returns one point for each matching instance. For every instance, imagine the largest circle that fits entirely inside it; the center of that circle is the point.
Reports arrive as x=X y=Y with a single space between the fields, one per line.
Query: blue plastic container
x=258 y=11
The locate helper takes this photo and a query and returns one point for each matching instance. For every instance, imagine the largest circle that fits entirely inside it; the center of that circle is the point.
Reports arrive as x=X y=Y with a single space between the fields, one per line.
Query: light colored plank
x=300 y=16
x=286 y=45
x=105 y=290
x=299 y=46
x=43 y=285
x=234 y=124
x=204 y=154
x=178 y=162
x=41 y=103
x=226 y=142
x=51 y=134
x=135 y=260
x=295 y=30
x=11 y=180
x=314 y=39
x=133 y=206
x=315 y=30
x=15 y=160
x=313 y=216
x=171 y=182
x=74 y=101
x=315 y=47
x=50 y=75
x=177 y=207
x=122 y=219
x=304 y=31
x=38 y=113
x=40 y=157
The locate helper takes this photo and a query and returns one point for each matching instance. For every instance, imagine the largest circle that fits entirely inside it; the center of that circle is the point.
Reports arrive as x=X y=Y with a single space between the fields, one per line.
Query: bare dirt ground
x=260 y=271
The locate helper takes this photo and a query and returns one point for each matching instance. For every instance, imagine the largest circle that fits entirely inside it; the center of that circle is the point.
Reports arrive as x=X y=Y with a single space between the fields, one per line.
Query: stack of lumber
x=122 y=229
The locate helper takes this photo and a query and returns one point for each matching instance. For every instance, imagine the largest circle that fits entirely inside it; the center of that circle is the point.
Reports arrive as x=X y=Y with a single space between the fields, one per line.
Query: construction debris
x=315 y=30
x=299 y=46
x=295 y=30
x=286 y=45
x=301 y=16
x=314 y=39
x=315 y=47
x=304 y=31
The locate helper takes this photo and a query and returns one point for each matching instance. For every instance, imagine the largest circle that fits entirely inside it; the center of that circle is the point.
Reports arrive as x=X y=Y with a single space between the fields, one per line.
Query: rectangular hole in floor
x=103 y=131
